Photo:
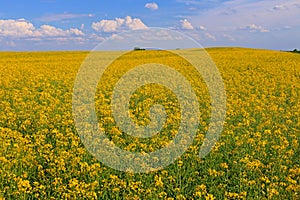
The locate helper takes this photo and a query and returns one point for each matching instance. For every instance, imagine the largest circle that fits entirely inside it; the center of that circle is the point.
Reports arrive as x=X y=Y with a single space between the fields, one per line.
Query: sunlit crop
x=257 y=156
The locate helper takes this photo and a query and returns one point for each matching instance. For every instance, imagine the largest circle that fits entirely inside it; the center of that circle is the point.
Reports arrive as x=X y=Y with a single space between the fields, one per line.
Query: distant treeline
x=295 y=51
x=143 y=49
x=139 y=49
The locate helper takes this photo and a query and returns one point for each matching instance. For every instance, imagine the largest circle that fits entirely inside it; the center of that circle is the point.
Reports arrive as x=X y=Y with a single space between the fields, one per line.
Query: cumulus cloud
x=108 y=25
x=16 y=28
x=134 y=24
x=185 y=24
x=255 y=28
x=75 y=31
x=119 y=24
x=22 y=28
x=51 y=31
x=151 y=6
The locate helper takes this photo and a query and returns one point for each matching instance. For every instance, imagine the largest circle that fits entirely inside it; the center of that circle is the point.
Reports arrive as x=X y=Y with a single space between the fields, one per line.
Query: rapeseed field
x=256 y=157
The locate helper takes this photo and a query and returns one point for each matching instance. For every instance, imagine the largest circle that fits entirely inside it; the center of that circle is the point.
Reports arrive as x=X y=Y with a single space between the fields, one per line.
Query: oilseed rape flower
x=257 y=156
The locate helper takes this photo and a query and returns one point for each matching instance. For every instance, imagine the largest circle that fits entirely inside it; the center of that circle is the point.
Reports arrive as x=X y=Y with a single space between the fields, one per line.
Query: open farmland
x=256 y=157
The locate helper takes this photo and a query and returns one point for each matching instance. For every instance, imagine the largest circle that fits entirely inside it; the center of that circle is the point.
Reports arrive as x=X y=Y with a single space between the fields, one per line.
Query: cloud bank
x=23 y=28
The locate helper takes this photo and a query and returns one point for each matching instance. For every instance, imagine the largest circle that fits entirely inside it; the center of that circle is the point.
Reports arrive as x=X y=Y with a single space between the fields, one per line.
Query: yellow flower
x=158 y=181
x=209 y=197
x=224 y=165
x=116 y=189
x=24 y=185
x=272 y=192
x=162 y=194
x=231 y=195
x=180 y=163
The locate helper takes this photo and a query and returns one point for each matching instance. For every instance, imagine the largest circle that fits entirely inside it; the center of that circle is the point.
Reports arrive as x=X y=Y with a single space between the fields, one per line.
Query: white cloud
x=151 y=6
x=116 y=37
x=134 y=24
x=210 y=36
x=96 y=37
x=108 y=25
x=75 y=31
x=22 y=29
x=119 y=24
x=185 y=24
x=50 y=31
x=228 y=37
x=202 y=28
x=255 y=28
x=16 y=28
x=195 y=35
x=231 y=15
x=59 y=17
x=240 y=18
x=279 y=7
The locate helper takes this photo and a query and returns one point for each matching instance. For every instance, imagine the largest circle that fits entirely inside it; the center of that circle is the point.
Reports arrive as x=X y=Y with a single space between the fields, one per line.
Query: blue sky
x=76 y=24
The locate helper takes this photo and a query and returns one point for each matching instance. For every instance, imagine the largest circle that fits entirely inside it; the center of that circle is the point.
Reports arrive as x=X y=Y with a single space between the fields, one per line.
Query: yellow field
x=257 y=156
